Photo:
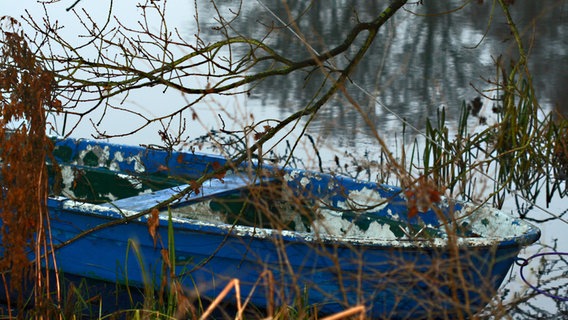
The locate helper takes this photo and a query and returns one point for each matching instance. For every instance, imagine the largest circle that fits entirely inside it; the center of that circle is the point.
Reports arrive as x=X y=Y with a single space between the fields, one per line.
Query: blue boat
x=289 y=236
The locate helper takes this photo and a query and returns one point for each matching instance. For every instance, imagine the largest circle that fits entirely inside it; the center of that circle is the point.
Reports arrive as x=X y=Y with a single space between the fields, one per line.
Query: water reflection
x=422 y=59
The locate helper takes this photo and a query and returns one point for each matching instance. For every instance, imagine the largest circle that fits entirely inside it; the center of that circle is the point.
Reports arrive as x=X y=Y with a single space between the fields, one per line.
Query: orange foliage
x=221 y=173
x=26 y=94
x=153 y=223
x=195 y=186
x=421 y=195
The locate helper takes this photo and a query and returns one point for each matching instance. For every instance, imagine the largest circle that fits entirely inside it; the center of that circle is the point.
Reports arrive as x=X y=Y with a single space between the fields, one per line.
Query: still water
x=426 y=57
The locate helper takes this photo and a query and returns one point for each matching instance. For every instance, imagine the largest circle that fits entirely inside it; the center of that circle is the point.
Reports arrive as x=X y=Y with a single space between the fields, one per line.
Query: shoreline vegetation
x=503 y=146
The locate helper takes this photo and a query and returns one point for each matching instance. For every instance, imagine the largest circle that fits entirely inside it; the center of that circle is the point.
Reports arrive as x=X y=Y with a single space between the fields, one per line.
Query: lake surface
x=422 y=60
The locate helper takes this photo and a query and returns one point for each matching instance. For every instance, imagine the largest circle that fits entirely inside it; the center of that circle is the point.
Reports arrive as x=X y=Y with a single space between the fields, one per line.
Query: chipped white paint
x=102 y=154
x=67 y=178
x=114 y=166
x=393 y=216
x=138 y=164
x=291 y=175
x=491 y=223
x=500 y=227
x=307 y=176
x=83 y=206
x=118 y=156
x=331 y=223
x=110 y=196
x=134 y=182
x=364 y=200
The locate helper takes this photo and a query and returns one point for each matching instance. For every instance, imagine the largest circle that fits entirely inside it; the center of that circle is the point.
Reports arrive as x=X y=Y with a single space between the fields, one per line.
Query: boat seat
x=214 y=187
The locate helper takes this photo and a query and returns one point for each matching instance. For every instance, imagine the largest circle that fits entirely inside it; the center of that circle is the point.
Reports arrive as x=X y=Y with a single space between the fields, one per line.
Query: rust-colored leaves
x=258 y=135
x=195 y=186
x=421 y=196
x=220 y=172
x=153 y=223
x=26 y=93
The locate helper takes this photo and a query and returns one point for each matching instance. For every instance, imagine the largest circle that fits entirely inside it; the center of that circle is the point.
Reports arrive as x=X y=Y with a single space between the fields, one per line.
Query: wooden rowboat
x=289 y=236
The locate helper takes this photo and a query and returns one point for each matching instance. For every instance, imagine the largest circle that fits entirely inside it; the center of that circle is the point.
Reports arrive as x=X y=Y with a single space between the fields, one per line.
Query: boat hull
x=434 y=277
x=390 y=282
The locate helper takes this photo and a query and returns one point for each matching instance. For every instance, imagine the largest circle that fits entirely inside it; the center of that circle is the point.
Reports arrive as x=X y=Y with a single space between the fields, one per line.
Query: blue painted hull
x=394 y=277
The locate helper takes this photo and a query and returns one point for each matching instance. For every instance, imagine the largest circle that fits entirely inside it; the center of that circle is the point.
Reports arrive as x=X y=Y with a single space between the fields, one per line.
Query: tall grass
x=452 y=159
x=523 y=154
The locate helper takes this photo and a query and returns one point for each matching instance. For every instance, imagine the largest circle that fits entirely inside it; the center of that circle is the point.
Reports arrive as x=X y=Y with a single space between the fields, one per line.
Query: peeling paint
x=138 y=164
x=366 y=200
x=118 y=156
x=331 y=227
x=291 y=175
x=94 y=154
x=67 y=178
x=491 y=223
x=332 y=224
x=363 y=216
